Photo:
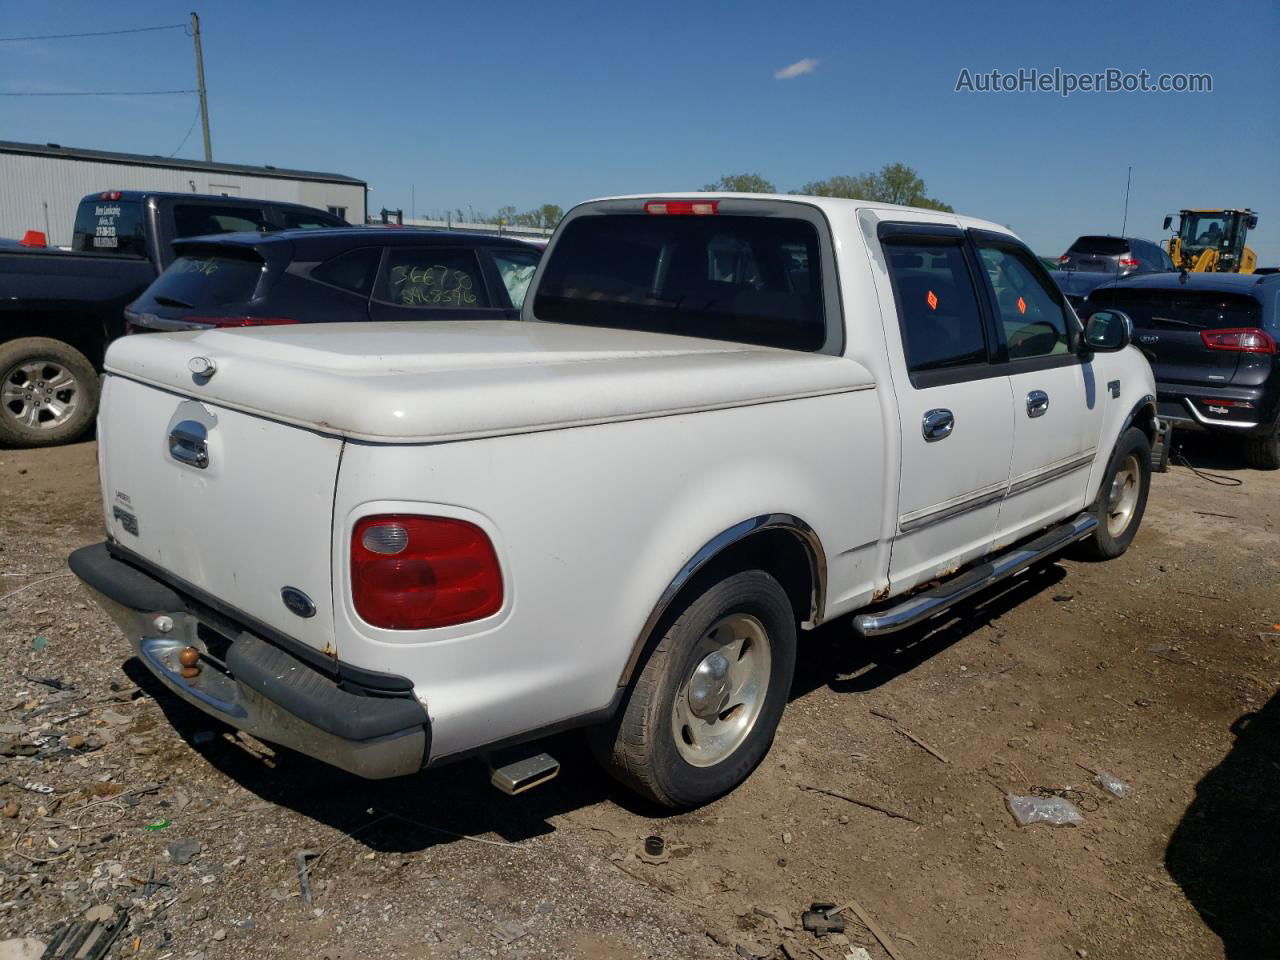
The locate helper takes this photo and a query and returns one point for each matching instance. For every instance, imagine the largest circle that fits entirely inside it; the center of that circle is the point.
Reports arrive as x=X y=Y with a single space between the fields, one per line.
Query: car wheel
x=704 y=708
x=48 y=392
x=1263 y=453
x=1122 y=498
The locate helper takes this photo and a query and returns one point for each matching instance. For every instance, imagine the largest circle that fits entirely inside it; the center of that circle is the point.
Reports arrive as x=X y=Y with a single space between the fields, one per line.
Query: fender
x=716 y=546
x=1147 y=401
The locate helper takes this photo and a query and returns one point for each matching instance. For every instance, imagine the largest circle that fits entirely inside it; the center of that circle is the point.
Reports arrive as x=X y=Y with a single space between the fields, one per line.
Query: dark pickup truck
x=60 y=308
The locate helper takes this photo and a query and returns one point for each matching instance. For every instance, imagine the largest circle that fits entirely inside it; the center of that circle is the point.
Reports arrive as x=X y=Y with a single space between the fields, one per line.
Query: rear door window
x=432 y=278
x=746 y=279
x=1028 y=304
x=937 y=306
x=213 y=281
x=109 y=226
x=202 y=219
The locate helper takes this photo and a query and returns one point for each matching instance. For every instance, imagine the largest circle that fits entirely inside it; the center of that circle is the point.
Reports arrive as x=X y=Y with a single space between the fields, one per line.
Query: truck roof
x=829 y=205
x=155 y=160
x=140 y=195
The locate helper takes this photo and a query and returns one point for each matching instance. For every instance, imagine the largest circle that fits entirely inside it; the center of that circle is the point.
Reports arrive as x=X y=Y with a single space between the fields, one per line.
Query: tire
x=656 y=745
x=1119 y=508
x=1263 y=453
x=48 y=392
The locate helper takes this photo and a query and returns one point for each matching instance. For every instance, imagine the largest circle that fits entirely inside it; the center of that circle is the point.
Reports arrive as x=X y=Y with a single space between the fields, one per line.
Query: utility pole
x=204 y=103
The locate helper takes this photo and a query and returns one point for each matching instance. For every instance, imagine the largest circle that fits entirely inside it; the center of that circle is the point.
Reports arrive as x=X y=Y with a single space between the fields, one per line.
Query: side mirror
x=1167 y=220
x=1253 y=221
x=1108 y=331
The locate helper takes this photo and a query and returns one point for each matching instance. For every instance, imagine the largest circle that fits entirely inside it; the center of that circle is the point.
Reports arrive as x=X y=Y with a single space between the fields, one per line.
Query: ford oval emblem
x=298 y=602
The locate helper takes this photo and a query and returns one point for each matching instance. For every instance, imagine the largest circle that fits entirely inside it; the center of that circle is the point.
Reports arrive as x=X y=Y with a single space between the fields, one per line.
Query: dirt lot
x=1161 y=667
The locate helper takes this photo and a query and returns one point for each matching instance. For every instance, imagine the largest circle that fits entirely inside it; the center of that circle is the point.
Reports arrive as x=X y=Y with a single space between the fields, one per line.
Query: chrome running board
x=929 y=603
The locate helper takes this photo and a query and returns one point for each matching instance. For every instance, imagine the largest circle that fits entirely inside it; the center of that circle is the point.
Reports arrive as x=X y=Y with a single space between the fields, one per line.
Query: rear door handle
x=1037 y=403
x=937 y=424
x=188 y=444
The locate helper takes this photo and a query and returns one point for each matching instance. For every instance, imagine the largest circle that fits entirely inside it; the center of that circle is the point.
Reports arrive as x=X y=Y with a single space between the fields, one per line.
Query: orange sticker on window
x=1022 y=305
x=932 y=300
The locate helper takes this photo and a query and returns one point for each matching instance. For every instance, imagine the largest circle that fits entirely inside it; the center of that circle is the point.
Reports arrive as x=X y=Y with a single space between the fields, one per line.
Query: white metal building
x=41 y=184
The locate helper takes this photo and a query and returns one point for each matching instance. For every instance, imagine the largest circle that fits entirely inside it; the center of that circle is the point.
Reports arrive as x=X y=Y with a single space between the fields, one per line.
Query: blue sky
x=481 y=105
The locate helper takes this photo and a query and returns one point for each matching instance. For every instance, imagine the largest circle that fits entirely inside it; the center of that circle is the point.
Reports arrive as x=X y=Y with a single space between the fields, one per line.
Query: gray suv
x=1117 y=256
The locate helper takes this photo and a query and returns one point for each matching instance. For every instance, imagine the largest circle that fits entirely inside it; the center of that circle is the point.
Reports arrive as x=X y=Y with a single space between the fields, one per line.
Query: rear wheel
x=1263 y=453
x=48 y=392
x=705 y=706
x=1122 y=498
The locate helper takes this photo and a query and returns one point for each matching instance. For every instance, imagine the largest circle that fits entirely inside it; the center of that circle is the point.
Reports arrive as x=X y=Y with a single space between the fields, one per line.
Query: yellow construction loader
x=1212 y=241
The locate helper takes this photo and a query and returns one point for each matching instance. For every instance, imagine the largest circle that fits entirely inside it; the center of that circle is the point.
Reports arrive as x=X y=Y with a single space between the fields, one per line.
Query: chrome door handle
x=937 y=424
x=1037 y=403
x=187 y=444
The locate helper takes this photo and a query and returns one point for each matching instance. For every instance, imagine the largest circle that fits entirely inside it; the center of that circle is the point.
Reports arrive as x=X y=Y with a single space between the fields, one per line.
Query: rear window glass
x=202 y=219
x=207 y=282
x=746 y=279
x=1182 y=309
x=304 y=220
x=109 y=226
x=1100 y=246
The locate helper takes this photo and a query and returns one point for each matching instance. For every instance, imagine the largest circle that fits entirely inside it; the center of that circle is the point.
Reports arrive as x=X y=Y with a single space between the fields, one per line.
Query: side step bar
x=929 y=603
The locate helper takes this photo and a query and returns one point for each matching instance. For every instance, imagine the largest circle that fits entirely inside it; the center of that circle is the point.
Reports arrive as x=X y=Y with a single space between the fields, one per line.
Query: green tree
x=892 y=183
x=742 y=183
x=505 y=215
x=549 y=214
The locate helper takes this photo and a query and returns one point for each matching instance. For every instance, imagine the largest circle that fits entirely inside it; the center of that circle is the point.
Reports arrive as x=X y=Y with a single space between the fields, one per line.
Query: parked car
x=390 y=545
x=1117 y=256
x=1211 y=339
x=59 y=309
x=1076 y=285
x=328 y=276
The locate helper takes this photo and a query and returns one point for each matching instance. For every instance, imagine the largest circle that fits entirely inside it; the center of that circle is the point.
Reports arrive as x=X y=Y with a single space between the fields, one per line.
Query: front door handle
x=937 y=424
x=1037 y=403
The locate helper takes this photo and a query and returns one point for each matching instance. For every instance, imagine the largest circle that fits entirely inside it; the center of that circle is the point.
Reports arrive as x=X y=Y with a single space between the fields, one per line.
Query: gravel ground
x=1161 y=668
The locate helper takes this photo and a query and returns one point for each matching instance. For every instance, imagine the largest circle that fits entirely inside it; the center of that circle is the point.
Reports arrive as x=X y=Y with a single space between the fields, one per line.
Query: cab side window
x=937 y=305
x=1028 y=306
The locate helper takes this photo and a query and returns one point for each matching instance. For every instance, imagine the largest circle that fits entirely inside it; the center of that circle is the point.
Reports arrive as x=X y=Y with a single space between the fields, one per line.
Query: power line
x=99 y=33
x=96 y=93
x=194 y=120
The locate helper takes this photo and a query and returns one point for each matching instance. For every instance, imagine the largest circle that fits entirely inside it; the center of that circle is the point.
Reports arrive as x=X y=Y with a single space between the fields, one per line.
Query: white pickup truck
x=722 y=420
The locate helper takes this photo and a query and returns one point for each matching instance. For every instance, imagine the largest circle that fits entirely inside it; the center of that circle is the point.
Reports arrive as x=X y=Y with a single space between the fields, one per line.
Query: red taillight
x=1065 y=258
x=415 y=573
x=696 y=208
x=109 y=195
x=1239 y=340
x=1129 y=263
x=34 y=238
x=241 y=321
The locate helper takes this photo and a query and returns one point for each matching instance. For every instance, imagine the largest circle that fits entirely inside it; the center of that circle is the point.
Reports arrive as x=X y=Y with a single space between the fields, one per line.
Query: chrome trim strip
x=739 y=531
x=922 y=606
x=953 y=507
x=1210 y=421
x=1053 y=471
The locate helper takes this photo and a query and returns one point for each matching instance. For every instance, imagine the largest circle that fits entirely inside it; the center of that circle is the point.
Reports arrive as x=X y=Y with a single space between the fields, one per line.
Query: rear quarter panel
x=591 y=524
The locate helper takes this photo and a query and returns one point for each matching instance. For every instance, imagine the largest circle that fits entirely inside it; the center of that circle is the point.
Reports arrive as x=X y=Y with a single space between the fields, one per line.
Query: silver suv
x=1118 y=256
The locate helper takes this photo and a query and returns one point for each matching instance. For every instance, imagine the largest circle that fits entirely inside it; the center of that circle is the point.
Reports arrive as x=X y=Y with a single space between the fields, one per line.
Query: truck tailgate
x=254 y=519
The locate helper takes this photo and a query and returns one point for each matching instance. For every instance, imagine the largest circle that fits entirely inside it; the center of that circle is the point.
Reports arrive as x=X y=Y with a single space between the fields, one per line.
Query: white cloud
x=797 y=69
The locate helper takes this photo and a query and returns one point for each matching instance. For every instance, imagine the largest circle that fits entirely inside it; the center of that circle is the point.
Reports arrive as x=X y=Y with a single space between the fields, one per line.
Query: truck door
x=954 y=403
x=1057 y=401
